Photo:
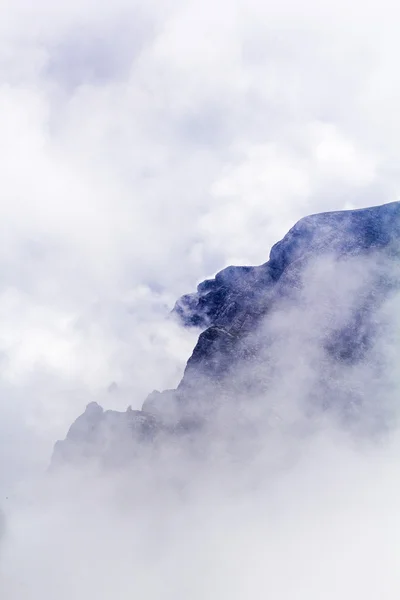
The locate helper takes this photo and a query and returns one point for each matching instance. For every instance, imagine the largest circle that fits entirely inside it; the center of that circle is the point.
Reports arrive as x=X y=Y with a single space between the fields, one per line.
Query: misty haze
x=199 y=300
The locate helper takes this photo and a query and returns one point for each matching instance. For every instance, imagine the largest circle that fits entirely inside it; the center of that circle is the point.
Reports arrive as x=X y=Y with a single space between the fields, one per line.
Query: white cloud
x=146 y=145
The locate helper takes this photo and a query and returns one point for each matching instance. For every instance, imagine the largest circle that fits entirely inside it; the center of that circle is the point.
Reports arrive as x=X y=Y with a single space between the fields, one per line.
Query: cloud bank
x=145 y=146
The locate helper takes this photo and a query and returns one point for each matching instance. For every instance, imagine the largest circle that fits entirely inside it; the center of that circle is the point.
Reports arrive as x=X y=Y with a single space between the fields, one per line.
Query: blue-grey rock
x=246 y=345
x=238 y=290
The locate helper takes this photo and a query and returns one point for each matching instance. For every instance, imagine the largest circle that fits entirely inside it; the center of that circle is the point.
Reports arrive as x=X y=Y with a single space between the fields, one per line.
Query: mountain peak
x=316 y=303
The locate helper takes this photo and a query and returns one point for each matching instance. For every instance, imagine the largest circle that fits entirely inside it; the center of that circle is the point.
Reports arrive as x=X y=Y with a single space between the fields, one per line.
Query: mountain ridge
x=235 y=308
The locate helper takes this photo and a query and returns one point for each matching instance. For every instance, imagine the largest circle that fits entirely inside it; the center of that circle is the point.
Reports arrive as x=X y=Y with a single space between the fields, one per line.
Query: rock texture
x=305 y=325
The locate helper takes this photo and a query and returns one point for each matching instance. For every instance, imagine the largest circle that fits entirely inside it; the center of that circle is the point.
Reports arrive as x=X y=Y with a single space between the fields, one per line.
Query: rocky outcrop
x=332 y=270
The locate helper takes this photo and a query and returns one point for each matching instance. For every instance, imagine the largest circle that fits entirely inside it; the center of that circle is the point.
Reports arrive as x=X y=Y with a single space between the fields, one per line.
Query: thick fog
x=144 y=146
x=306 y=506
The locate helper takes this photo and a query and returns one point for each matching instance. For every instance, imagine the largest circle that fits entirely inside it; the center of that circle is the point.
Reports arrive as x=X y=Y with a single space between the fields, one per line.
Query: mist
x=144 y=147
x=303 y=507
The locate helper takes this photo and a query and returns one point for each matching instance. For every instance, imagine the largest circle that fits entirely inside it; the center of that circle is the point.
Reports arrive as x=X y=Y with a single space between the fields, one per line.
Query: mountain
x=281 y=345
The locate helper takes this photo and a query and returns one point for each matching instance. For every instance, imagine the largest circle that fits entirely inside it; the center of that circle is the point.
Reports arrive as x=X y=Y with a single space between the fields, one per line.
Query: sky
x=146 y=145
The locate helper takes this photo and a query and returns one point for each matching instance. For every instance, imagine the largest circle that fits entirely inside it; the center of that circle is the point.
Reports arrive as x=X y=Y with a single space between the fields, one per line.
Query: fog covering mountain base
x=309 y=333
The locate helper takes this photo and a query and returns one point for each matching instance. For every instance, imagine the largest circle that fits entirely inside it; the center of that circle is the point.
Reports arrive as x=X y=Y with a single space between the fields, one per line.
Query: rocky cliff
x=281 y=342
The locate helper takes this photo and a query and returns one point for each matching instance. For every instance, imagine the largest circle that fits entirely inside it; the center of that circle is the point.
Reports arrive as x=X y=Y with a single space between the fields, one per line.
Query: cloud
x=146 y=145
x=324 y=525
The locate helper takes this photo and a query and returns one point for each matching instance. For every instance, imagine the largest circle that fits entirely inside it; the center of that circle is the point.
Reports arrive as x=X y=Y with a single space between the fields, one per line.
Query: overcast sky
x=146 y=145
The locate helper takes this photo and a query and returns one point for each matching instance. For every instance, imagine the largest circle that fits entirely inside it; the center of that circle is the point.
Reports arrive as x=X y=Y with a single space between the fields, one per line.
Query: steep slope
x=303 y=330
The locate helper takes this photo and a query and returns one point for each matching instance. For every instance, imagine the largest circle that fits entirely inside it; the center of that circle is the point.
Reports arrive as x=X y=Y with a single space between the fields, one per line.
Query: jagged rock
x=99 y=434
x=164 y=407
x=332 y=271
x=238 y=291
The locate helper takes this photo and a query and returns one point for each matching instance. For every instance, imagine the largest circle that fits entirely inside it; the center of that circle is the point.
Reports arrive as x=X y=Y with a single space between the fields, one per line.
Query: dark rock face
x=317 y=301
x=236 y=290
